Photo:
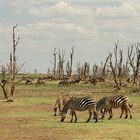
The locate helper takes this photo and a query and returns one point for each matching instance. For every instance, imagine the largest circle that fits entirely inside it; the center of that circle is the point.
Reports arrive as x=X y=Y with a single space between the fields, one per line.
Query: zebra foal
x=107 y=103
x=79 y=104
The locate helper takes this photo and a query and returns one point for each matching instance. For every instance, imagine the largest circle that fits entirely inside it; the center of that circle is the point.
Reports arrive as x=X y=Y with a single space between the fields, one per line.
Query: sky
x=91 y=26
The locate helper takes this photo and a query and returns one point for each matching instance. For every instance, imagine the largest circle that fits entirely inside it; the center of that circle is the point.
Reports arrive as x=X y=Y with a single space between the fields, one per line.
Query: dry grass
x=30 y=116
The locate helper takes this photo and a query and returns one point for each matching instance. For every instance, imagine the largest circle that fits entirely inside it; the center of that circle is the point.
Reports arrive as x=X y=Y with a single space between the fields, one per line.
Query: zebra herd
x=104 y=105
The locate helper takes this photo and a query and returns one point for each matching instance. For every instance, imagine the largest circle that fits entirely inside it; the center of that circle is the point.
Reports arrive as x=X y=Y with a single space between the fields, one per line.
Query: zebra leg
x=59 y=107
x=129 y=110
x=130 y=113
x=95 y=115
x=90 y=114
x=103 y=112
x=72 y=113
x=75 y=116
x=126 y=113
x=122 y=110
x=110 y=113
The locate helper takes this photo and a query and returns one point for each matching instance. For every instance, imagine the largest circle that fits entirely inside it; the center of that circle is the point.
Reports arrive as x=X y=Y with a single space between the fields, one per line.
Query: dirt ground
x=21 y=127
x=30 y=117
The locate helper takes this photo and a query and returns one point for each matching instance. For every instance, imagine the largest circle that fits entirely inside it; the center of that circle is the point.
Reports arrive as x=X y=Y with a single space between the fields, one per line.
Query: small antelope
x=60 y=101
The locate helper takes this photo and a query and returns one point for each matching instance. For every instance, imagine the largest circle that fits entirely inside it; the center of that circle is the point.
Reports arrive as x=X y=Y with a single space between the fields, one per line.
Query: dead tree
x=95 y=70
x=116 y=68
x=54 y=63
x=134 y=60
x=103 y=72
x=69 y=64
x=126 y=71
x=79 y=70
x=61 y=61
x=13 y=64
x=4 y=82
x=86 y=70
x=13 y=68
x=68 y=69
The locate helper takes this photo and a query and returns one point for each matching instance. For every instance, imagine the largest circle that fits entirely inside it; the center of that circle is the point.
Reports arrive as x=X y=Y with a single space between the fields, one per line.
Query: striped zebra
x=107 y=103
x=60 y=101
x=79 y=104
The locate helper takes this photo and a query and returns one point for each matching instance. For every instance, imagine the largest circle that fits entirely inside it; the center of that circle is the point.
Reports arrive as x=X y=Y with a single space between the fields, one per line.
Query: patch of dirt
x=23 y=128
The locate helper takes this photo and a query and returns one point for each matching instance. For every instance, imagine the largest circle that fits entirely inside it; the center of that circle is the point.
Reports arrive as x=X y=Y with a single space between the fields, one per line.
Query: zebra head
x=63 y=116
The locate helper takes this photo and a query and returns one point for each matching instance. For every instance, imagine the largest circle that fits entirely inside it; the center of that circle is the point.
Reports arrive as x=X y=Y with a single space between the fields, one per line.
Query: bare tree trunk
x=68 y=69
x=134 y=61
x=13 y=69
x=116 y=69
x=79 y=70
x=61 y=65
x=114 y=73
x=71 y=59
x=86 y=69
x=13 y=64
x=3 y=84
x=104 y=67
x=54 y=68
x=69 y=64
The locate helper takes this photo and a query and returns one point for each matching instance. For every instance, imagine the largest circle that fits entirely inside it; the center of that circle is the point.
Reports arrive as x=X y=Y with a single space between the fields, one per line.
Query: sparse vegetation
x=31 y=114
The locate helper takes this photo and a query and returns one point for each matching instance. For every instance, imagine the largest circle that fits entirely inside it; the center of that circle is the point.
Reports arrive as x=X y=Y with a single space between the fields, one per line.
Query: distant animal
x=63 y=82
x=40 y=82
x=79 y=104
x=77 y=80
x=100 y=79
x=74 y=81
x=28 y=82
x=60 y=101
x=91 y=81
x=106 y=104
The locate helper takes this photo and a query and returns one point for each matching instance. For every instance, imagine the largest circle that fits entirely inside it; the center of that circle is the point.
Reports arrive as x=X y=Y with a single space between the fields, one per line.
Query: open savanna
x=30 y=116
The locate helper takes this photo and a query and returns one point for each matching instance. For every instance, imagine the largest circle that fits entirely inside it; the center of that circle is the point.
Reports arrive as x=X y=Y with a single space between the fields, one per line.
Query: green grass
x=33 y=109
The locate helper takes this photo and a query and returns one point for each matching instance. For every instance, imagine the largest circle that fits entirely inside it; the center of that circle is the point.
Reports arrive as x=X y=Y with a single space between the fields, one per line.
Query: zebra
x=107 y=103
x=79 y=104
x=60 y=101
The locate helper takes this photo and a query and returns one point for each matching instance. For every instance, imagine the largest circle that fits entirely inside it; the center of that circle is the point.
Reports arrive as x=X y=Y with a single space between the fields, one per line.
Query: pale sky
x=92 y=26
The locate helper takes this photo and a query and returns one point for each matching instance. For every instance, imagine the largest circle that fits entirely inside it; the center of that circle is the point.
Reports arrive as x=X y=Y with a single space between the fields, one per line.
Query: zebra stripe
x=107 y=103
x=79 y=104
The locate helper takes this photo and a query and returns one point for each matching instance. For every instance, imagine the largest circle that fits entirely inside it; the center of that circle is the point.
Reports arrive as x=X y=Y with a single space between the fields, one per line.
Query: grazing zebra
x=107 y=103
x=60 y=101
x=79 y=104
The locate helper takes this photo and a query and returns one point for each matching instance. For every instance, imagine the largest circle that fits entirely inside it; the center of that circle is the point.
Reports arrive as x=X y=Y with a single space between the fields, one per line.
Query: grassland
x=30 y=116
